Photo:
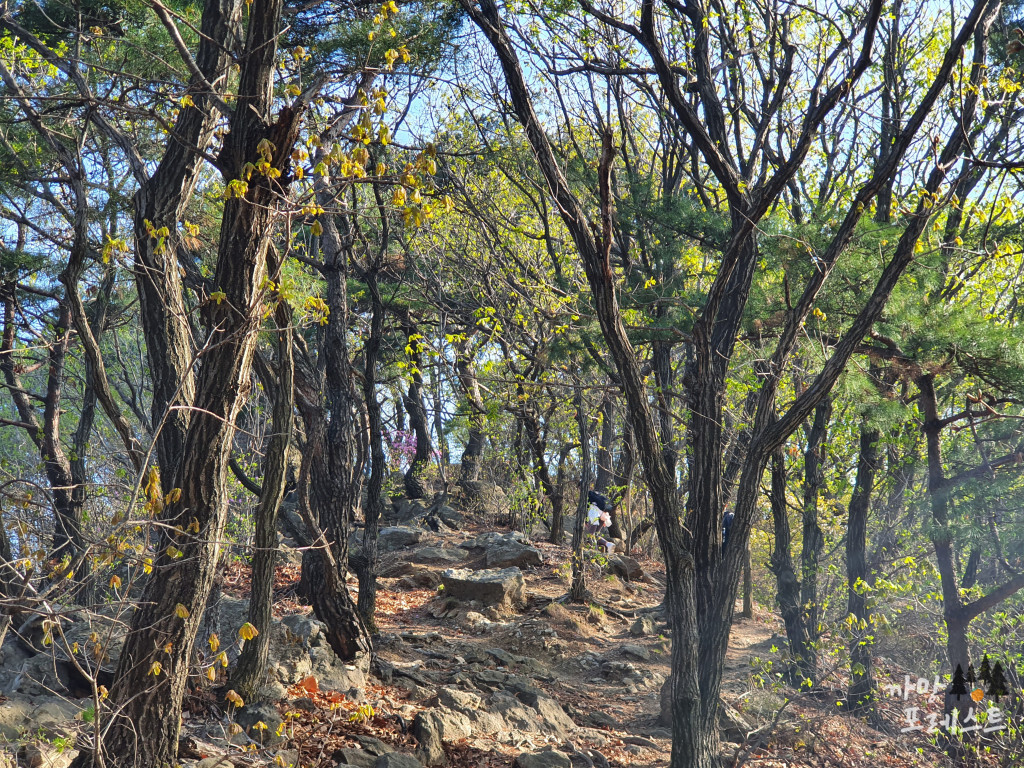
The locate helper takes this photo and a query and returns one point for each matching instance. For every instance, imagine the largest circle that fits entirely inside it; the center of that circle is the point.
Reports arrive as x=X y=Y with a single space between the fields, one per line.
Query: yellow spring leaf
x=211 y=674
x=247 y=631
x=115 y=582
x=181 y=611
x=156 y=669
x=234 y=698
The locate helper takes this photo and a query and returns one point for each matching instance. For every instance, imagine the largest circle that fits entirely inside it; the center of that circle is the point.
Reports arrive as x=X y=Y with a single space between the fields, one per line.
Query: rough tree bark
x=145 y=700
x=250 y=670
x=860 y=695
x=578 y=588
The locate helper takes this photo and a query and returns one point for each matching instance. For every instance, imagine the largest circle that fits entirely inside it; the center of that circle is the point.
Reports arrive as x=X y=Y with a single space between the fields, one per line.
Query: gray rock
x=372 y=745
x=433 y=727
x=420 y=578
x=450 y=517
x=637 y=652
x=549 y=758
x=272 y=692
x=250 y=717
x=503 y=587
x=354 y=757
x=639 y=741
x=15 y=716
x=397 y=760
x=493 y=539
x=513 y=553
x=405 y=510
x=625 y=568
x=643 y=627
x=395 y=538
x=732 y=723
x=215 y=762
x=602 y=719
x=438 y=555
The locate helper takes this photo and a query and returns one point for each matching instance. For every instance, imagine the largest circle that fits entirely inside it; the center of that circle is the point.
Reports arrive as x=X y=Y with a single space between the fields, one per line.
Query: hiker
x=726 y=525
x=599 y=519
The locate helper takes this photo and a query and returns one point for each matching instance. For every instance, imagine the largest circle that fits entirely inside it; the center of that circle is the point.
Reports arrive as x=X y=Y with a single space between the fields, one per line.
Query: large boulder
x=504 y=587
x=438 y=555
x=433 y=727
x=394 y=538
x=549 y=758
x=625 y=568
x=509 y=553
x=406 y=510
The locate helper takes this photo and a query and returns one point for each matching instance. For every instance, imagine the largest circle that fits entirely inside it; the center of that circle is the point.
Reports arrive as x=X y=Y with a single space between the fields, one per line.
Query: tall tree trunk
x=44 y=432
x=413 y=399
x=368 y=560
x=146 y=697
x=538 y=452
x=813 y=541
x=250 y=671
x=858 y=579
x=578 y=589
x=465 y=367
x=800 y=671
x=605 y=465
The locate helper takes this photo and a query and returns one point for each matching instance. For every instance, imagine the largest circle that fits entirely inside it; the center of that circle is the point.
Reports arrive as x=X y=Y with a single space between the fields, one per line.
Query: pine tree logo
x=997 y=682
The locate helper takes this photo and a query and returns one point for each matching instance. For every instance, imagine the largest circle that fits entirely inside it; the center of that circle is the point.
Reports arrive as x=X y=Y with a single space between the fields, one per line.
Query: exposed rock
x=221 y=761
x=405 y=510
x=433 y=727
x=421 y=578
x=732 y=723
x=35 y=755
x=639 y=741
x=513 y=553
x=503 y=587
x=15 y=716
x=637 y=652
x=397 y=760
x=395 y=538
x=602 y=719
x=493 y=539
x=625 y=568
x=438 y=555
x=643 y=627
x=261 y=722
x=549 y=758
x=354 y=757
x=372 y=745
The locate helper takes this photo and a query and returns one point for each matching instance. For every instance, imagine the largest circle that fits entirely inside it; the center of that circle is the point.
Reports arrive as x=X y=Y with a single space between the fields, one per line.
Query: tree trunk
x=861 y=692
x=414 y=476
x=368 y=559
x=469 y=478
x=146 y=699
x=578 y=589
x=250 y=671
x=748 y=586
x=800 y=670
x=813 y=541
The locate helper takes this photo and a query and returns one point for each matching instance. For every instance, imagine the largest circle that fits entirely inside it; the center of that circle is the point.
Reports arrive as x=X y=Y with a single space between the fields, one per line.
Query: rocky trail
x=481 y=663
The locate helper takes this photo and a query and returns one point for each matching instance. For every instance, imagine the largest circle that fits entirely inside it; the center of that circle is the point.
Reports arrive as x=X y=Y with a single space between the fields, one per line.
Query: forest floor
x=500 y=685
x=568 y=649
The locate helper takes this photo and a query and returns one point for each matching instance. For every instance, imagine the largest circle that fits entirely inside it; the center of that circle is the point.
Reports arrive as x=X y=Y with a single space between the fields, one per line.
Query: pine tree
x=997 y=683
x=971 y=677
x=959 y=685
x=985 y=674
